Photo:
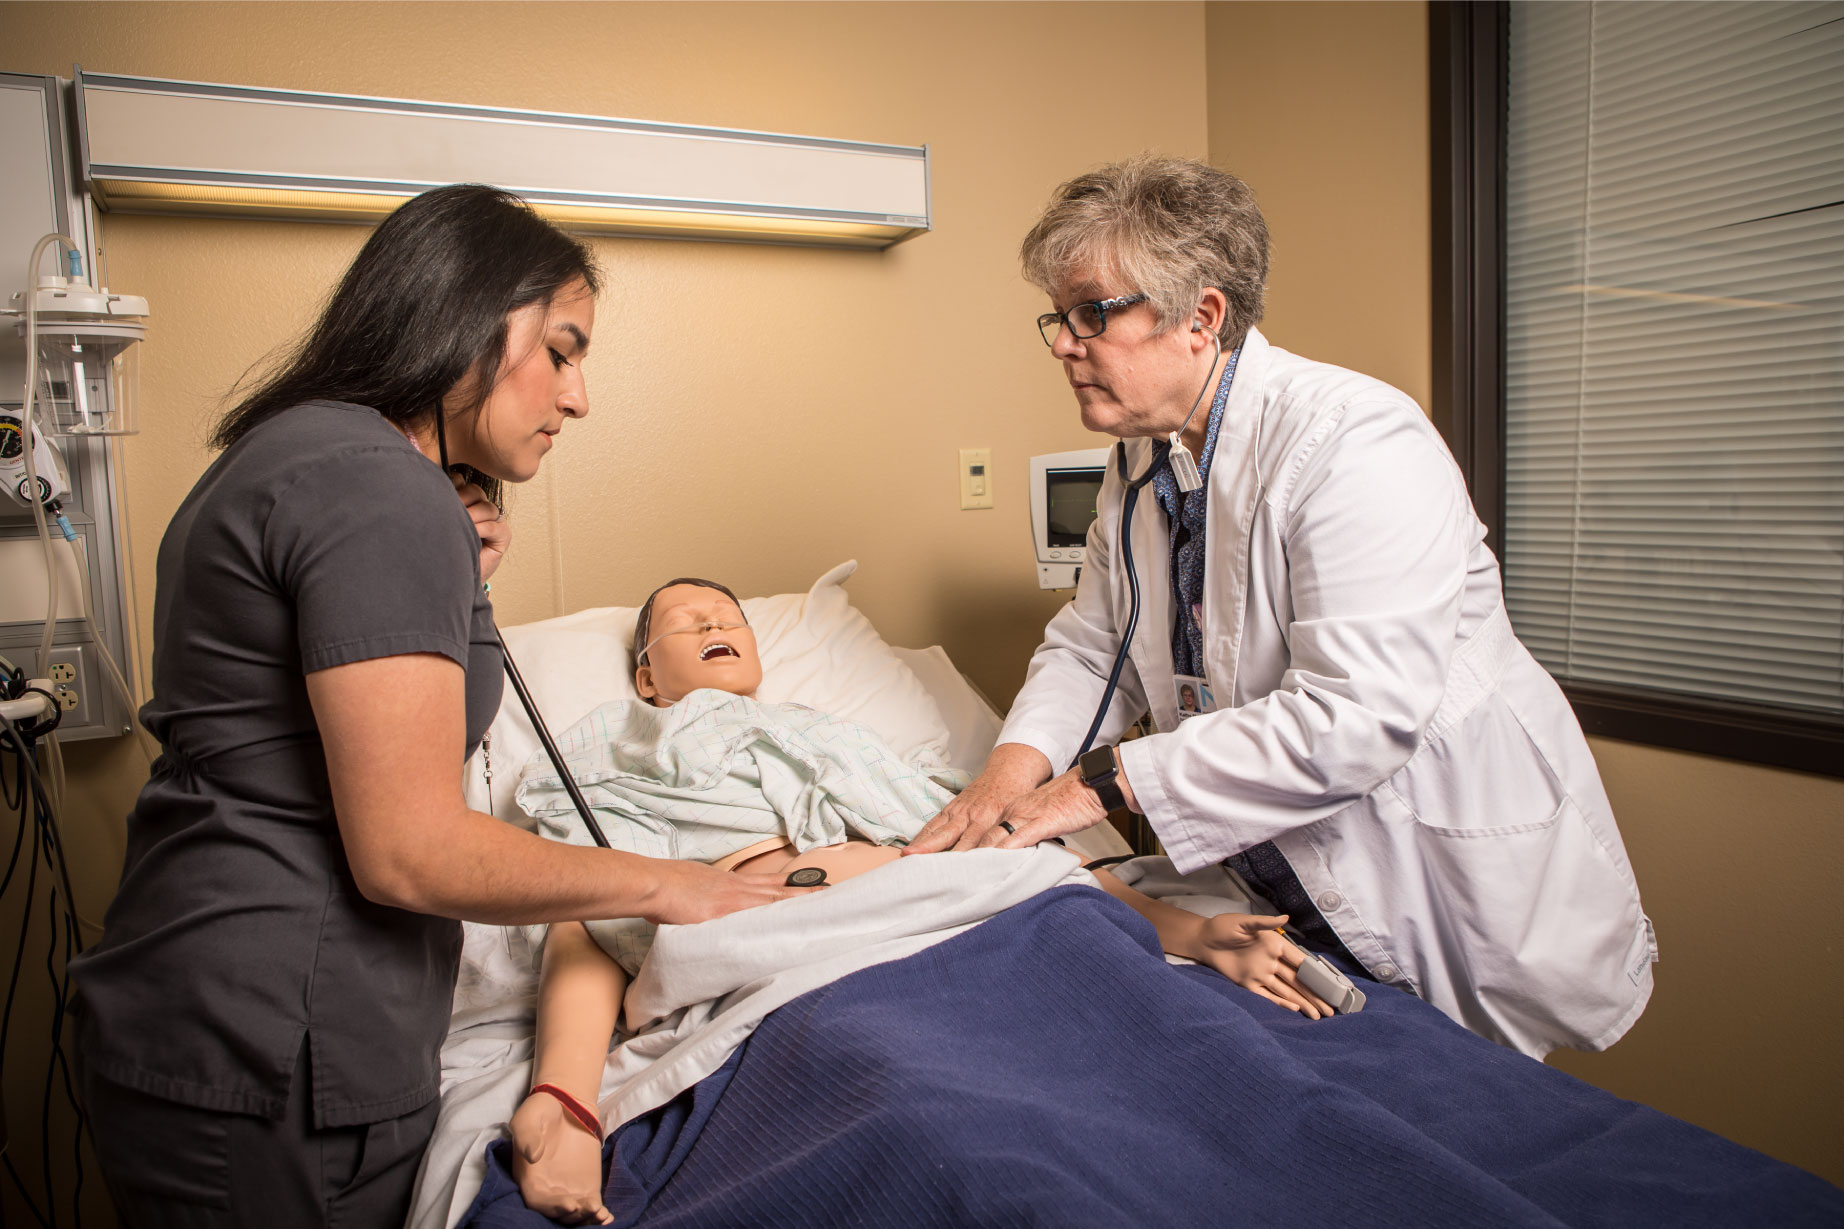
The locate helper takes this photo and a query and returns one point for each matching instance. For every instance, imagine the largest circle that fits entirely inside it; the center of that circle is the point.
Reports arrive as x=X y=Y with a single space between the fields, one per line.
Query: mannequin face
x=687 y=652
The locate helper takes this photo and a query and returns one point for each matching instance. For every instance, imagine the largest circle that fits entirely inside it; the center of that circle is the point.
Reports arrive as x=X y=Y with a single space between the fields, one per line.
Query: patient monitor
x=1064 y=489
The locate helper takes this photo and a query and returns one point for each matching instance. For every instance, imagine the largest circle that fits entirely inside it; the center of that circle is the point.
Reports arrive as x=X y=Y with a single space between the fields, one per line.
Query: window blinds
x=1674 y=429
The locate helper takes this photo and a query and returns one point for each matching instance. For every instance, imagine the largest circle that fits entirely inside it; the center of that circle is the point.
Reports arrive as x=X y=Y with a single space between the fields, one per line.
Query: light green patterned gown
x=715 y=773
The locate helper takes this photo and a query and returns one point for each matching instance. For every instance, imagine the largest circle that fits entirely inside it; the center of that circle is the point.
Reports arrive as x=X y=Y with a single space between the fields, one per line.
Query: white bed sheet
x=486 y=1058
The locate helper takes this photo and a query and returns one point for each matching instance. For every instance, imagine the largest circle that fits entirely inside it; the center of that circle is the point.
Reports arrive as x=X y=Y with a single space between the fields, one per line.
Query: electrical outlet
x=71 y=681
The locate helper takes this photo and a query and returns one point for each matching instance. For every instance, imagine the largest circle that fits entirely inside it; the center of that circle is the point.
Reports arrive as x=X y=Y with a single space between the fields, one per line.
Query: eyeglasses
x=700 y=627
x=1085 y=320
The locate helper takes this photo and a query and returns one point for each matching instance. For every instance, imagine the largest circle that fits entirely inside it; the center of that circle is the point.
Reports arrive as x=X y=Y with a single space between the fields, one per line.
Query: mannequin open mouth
x=716 y=648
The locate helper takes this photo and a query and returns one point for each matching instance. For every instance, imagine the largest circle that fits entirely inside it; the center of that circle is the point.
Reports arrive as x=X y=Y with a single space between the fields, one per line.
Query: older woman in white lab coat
x=1383 y=759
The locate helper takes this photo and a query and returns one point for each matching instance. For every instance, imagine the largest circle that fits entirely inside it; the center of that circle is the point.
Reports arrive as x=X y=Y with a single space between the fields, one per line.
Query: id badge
x=1194 y=696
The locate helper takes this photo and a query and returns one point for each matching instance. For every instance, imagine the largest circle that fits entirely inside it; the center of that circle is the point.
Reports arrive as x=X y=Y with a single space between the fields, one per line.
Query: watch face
x=1097 y=765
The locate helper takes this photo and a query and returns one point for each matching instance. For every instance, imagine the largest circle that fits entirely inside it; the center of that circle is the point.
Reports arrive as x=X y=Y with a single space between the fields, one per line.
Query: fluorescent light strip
x=215 y=200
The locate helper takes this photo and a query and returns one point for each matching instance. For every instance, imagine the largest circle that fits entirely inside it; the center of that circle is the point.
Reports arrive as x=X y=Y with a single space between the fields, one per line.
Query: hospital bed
x=1052 y=1071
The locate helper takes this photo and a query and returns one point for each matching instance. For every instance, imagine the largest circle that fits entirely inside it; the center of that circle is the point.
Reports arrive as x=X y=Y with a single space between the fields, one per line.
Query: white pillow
x=817 y=649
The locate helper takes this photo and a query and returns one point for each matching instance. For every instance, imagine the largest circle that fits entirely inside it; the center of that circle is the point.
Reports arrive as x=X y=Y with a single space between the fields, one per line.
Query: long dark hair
x=422 y=307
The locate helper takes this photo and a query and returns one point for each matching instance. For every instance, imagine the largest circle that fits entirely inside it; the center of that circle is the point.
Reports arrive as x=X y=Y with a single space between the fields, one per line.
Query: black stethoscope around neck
x=1161 y=454
x=1169 y=451
x=518 y=686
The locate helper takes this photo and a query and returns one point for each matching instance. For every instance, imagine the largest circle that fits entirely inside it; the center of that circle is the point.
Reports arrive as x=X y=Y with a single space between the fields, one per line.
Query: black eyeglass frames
x=1085 y=320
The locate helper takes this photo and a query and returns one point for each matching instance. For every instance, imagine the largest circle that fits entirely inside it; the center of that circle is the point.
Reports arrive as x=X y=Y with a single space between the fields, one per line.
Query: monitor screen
x=1071 y=496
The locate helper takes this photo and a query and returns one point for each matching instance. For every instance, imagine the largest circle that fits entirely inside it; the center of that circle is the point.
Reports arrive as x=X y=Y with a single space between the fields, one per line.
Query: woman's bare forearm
x=1022 y=767
x=485 y=870
x=391 y=728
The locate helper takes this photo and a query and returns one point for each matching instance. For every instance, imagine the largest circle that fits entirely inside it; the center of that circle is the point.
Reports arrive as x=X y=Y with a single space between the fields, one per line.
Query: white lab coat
x=1377 y=719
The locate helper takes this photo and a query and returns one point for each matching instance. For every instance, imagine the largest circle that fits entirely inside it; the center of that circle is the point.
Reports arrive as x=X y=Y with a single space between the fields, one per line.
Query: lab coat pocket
x=1541 y=913
x=1484 y=775
x=1517 y=863
x=1545 y=920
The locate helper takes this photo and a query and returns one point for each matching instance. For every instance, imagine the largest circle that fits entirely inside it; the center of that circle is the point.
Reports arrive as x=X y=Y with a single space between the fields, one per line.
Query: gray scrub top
x=318 y=539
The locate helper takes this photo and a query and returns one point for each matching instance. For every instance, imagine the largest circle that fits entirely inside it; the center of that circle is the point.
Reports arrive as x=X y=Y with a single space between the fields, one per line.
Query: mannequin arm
x=1243 y=947
x=558 y=1164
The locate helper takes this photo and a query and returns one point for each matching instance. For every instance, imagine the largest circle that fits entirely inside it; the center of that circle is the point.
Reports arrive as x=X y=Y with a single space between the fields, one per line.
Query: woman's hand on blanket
x=1249 y=950
x=1063 y=806
x=688 y=892
x=489 y=522
x=557 y=1164
x=1013 y=771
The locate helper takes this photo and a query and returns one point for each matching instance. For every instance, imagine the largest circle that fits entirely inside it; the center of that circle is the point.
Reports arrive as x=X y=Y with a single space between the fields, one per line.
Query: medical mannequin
x=692 y=634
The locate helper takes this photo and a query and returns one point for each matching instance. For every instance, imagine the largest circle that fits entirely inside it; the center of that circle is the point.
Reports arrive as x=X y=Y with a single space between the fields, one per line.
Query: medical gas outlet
x=975 y=478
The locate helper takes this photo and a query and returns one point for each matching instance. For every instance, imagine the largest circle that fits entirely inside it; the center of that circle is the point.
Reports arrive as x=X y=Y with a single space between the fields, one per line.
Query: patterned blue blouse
x=1185 y=514
x=1264 y=866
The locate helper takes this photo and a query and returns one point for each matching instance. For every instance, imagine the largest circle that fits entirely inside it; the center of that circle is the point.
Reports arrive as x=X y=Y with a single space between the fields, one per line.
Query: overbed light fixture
x=184 y=147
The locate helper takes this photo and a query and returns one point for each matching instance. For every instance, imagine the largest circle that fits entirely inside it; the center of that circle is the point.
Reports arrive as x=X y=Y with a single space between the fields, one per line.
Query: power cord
x=30 y=799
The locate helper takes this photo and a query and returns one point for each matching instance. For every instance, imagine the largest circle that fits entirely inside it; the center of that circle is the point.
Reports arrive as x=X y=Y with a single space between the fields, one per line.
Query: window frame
x=1468 y=63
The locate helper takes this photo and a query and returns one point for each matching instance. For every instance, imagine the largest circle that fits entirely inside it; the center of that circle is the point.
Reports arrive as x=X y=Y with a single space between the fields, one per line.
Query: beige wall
x=1323 y=108
x=759 y=414
x=833 y=388
x=1739 y=867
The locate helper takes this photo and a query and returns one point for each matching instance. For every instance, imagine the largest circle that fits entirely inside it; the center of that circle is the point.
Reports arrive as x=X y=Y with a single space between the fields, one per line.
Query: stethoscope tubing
x=550 y=744
x=525 y=700
x=1131 y=497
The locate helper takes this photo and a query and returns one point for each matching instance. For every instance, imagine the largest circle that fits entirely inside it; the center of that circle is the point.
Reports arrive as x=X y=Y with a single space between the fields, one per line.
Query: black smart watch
x=1099 y=771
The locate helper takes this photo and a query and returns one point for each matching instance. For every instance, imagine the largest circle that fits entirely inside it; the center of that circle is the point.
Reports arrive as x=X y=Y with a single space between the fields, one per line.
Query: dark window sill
x=1754 y=733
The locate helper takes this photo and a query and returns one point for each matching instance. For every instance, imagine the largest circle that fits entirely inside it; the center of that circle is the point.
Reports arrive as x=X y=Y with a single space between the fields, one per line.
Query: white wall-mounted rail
x=159 y=146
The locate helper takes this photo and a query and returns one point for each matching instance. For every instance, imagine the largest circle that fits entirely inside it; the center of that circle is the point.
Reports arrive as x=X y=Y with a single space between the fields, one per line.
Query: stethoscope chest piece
x=807 y=877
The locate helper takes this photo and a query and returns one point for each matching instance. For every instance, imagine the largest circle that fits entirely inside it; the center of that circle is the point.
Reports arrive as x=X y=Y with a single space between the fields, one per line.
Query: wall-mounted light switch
x=975 y=478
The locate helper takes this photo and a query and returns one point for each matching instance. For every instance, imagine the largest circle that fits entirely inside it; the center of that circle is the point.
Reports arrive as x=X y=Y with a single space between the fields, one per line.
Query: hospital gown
x=716 y=773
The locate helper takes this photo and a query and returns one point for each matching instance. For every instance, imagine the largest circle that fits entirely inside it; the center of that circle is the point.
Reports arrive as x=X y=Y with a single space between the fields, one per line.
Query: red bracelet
x=584 y=1116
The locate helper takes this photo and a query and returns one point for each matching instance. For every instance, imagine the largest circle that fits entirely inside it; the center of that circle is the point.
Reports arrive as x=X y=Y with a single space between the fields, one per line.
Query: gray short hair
x=1169 y=226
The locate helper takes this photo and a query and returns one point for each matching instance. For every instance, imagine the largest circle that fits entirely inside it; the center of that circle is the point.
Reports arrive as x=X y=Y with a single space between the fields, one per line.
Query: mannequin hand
x=1250 y=952
x=557 y=1164
x=1013 y=770
x=489 y=522
x=689 y=892
x=1064 y=805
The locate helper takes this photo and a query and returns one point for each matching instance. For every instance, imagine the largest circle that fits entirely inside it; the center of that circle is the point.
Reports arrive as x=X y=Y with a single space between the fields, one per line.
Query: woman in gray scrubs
x=259 y=1027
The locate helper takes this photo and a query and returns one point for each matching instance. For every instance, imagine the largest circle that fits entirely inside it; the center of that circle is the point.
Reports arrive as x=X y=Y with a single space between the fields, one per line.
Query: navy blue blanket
x=1048 y=1068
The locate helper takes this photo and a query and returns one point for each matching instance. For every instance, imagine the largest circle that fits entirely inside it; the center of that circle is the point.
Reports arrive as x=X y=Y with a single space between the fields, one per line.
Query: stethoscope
x=518 y=687
x=1171 y=450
